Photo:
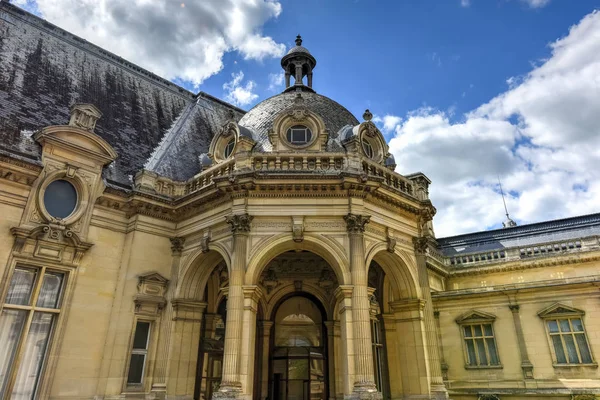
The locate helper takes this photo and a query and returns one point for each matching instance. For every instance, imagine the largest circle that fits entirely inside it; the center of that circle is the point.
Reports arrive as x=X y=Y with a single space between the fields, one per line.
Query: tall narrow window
x=229 y=148
x=377 y=339
x=139 y=354
x=30 y=310
x=479 y=340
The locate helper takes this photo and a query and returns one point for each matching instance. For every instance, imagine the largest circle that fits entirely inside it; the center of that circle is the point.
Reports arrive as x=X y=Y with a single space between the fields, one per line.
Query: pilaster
x=526 y=365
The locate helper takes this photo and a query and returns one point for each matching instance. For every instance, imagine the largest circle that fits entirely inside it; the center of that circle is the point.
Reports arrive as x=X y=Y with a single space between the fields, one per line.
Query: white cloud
x=390 y=122
x=465 y=3
x=276 y=81
x=174 y=39
x=237 y=93
x=536 y=3
x=542 y=136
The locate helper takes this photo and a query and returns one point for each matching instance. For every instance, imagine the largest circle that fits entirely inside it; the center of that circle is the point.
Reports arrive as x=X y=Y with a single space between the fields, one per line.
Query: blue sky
x=463 y=90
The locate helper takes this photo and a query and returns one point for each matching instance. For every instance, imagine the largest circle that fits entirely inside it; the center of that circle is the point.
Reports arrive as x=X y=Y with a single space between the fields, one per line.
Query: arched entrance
x=299 y=350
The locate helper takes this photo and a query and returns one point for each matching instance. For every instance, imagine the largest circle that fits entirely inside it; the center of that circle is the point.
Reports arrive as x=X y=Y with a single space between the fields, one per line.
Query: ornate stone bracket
x=239 y=222
x=177 y=245
x=298 y=229
x=204 y=242
x=356 y=223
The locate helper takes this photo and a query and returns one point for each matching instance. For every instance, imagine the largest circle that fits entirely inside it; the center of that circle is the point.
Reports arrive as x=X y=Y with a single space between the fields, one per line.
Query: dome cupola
x=298 y=62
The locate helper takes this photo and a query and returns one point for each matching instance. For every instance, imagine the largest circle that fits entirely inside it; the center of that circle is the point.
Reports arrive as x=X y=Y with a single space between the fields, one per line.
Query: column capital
x=514 y=308
x=343 y=292
x=266 y=324
x=421 y=244
x=240 y=223
x=190 y=310
x=177 y=243
x=356 y=223
x=252 y=292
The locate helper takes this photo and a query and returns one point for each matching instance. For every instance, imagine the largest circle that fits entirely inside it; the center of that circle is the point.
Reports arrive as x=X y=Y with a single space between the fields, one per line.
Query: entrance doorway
x=299 y=356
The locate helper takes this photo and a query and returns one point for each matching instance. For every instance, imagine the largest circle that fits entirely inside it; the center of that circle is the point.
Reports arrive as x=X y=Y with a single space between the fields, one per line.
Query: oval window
x=60 y=199
x=229 y=148
x=368 y=149
x=299 y=134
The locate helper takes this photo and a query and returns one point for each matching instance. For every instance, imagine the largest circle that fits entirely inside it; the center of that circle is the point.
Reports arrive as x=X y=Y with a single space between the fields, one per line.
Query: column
x=164 y=337
x=364 y=379
x=298 y=76
x=287 y=79
x=252 y=295
x=330 y=325
x=343 y=295
x=444 y=364
x=266 y=343
x=230 y=385
x=526 y=365
x=438 y=389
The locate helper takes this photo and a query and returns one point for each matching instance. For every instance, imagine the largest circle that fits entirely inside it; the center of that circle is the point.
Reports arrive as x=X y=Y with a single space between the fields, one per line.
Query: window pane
x=584 y=350
x=136 y=368
x=11 y=326
x=491 y=344
x=553 y=326
x=50 y=291
x=564 y=325
x=558 y=349
x=60 y=199
x=140 y=340
x=297 y=368
x=471 y=352
x=488 y=330
x=280 y=368
x=33 y=356
x=468 y=331
x=481 y=352
x=571 y=350
x=478 y=331
x=577 y=325
x=21 y=286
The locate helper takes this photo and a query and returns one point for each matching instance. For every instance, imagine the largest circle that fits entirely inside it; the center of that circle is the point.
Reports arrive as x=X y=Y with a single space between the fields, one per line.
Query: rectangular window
x=30 y=311
x=139 y=353
x=569 y=341
x=480 y=345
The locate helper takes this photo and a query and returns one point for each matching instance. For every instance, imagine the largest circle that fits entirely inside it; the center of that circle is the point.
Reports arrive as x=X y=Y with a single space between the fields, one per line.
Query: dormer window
x=367 y=148
x=229 y=148
x=299 y=135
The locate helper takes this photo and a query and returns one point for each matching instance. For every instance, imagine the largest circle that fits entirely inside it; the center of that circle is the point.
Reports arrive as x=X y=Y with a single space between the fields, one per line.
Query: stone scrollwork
x=239 y=222
x=177 y=245
x=421 y=244
x=356 y=223
x=488 y=397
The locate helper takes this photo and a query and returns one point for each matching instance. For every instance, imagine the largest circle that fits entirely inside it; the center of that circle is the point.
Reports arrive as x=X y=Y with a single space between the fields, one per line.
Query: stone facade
x=293 y=262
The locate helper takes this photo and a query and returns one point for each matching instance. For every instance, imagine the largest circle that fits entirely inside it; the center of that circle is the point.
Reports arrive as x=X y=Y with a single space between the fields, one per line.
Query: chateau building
x=160 y=244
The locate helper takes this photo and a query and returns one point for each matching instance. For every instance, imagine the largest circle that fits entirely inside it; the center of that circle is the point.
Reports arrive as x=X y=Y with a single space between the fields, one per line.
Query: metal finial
x=367 y=116
x=509 y=223
x=298 y=40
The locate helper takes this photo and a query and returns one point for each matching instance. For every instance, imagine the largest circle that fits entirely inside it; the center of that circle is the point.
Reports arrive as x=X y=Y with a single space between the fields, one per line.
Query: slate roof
x=44 y=70
x=567 y=229
x=260 y=119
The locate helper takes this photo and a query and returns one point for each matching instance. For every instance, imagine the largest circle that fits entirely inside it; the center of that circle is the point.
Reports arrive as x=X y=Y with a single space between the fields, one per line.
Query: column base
x=228 y=391
x=439 y=392
x=364 y=391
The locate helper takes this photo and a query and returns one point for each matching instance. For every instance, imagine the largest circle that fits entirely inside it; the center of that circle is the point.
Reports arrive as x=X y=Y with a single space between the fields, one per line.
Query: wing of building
x=160 y=244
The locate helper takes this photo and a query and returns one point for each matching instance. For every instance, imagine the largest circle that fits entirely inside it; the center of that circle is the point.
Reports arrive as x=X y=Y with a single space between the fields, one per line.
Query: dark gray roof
x=298 y=49
x=260 y=118
x=177 y=156
x=44 y=70
x=525 y=235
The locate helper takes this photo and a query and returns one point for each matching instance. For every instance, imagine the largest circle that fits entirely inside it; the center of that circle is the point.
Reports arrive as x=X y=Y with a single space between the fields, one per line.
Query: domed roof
x=298 y=49
x=260 y=118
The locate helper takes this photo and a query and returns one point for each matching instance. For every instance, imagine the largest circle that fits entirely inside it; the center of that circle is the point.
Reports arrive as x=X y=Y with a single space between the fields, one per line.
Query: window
x=299 y=134
x=378 y=350
x=566 y=334
x=480 y=345
x=568 y=338
x=368 y=149
x=30 y=310
x=60 y=199
x=139 y=353
x=229 y=148
x=479 y=341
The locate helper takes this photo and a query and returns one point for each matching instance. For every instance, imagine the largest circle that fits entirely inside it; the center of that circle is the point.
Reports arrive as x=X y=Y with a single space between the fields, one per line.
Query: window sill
x=499 y=366
x=592 y=365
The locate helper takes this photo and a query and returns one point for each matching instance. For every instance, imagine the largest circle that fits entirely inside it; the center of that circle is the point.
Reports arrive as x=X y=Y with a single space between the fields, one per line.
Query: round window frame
x=313 y=131
x=228 y=156
x=299 y=145
x=81 y=191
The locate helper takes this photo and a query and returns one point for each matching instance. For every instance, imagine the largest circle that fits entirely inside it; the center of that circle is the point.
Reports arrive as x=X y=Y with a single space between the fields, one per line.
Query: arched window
x=299 y=135
x=229 y=148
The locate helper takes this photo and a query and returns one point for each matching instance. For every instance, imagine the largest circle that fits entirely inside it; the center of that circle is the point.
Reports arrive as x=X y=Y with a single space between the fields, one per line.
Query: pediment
x=475 y=316
x=560 y=310
x=153 y=277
